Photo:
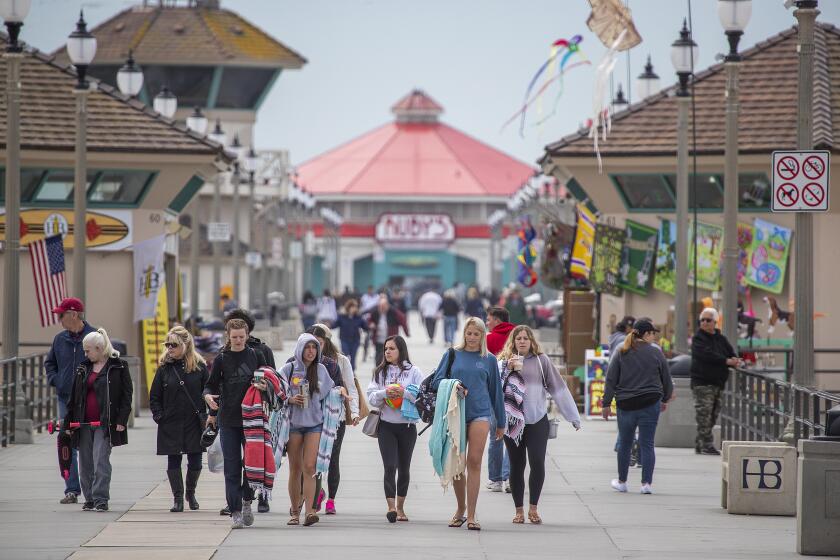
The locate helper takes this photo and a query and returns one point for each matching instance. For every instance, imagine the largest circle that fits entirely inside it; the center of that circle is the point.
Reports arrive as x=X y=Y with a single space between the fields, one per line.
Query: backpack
x=427 y=397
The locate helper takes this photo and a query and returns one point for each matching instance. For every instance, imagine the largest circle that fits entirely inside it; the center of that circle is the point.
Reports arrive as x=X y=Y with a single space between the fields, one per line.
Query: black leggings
x=193 y=461
x=334 y=476
x=396 y=444
x=534 y=441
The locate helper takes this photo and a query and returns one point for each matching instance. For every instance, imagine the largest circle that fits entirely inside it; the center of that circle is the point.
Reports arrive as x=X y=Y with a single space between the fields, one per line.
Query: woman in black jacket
x=102 y=393
x=179 y=410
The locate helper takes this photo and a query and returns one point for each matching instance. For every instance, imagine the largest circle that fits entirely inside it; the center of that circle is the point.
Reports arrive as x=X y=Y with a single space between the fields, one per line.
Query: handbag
x=364 y=410
x=553 y=423
x=371 y=426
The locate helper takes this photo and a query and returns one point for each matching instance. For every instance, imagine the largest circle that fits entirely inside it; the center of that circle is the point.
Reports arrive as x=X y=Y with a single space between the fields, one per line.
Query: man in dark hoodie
x=711 y=357
x=65 y=355
x=498 y=327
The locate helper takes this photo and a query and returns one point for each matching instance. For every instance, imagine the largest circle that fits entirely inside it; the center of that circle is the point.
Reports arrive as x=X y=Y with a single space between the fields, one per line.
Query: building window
x=709 y=190
x=120 y=187
x=58 y=186
x=644 y=192
x=190 y=84
x=242 y=88
x=754 y=191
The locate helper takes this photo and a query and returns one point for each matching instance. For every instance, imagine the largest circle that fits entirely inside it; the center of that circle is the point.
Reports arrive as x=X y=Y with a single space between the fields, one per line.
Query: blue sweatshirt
x=480 y=377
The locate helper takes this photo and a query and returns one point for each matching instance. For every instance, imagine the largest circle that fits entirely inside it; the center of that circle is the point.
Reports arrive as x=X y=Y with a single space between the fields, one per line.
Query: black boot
x=192 y=482
x=263 y=506
x=176 y=481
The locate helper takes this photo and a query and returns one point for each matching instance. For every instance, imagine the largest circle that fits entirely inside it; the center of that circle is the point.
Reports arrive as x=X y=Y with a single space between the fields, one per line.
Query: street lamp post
x=683 y=54
x=734 y=16
x=251 y=162
x=130 y=77
x=81 y=47
x=13 y=14
x=218 y=136
x=237 y=149
x=803 y=336
x=196 y=122
x=648 y=81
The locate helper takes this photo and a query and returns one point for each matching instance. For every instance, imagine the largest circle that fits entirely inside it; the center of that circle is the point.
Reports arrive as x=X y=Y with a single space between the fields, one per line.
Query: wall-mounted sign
x=218 y=231
x=105 y=230
x=415 y=229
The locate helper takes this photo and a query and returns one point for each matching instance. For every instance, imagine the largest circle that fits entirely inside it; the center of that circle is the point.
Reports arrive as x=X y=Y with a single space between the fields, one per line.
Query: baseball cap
x=69 y=304
x=644 y=325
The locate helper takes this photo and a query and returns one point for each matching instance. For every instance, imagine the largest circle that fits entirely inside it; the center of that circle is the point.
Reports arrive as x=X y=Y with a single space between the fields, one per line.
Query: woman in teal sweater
x=478 y=373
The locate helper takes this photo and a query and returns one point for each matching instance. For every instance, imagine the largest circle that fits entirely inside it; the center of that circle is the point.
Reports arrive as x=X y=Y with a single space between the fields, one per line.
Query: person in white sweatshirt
x=528 y=375
x=395 y=380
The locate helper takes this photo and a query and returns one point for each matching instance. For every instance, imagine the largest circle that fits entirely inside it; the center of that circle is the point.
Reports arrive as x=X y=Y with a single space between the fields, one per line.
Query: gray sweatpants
x=95 y=464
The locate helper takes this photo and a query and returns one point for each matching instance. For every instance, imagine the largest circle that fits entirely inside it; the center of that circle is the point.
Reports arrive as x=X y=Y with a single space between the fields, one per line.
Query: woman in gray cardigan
x=639 y=380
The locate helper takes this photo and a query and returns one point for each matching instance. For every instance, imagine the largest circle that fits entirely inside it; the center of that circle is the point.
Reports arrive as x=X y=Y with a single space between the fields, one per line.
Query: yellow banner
x=154 y=335
x=581 y=263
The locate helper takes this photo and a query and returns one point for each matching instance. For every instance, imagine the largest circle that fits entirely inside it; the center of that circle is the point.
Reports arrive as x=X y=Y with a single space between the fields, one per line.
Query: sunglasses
x=171 y=344
x=707 y=320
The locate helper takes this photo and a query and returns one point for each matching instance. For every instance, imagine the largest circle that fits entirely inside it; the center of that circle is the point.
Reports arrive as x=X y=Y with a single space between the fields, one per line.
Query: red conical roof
x=416 y=156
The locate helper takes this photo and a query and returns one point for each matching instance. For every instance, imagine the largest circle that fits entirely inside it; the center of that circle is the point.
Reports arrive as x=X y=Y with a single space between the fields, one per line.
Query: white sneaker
x=507 y=487
x=247 y=514
x=618 y=486
x=646 y=489
x=236 y=520
x=495 y=486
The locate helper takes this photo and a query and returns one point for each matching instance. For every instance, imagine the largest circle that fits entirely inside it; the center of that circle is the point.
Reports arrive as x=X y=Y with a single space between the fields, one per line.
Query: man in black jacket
x=711 y=357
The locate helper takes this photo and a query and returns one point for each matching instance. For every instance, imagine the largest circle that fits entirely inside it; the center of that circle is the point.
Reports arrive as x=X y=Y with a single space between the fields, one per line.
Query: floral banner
x=666 y=258
x=745 y=238
x=709 y=248
x=637 y=257
x=606 y=264
x=768 y=256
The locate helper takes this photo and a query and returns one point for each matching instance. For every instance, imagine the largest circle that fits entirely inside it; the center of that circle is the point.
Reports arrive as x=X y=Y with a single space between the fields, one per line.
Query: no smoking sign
x=800 y=181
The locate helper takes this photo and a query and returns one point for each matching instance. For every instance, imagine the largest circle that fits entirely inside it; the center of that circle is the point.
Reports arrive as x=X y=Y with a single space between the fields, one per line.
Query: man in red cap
x=65 y=355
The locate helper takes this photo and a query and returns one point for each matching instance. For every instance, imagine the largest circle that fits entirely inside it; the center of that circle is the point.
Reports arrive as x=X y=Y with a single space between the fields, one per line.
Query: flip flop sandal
x=534 y=518
x=294 y=519
x=402 y=517
x=519 y=519
x=474 y=526
x=457 y=521
x=311 y=519
x=391 y=516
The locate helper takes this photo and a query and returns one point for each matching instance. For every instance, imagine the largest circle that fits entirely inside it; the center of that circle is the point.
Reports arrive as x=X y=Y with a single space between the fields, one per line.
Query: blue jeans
x=498 y=464
x=71 y=484
x=449 y=326
x=236 y=487
x=645 y=420
x=350 y=349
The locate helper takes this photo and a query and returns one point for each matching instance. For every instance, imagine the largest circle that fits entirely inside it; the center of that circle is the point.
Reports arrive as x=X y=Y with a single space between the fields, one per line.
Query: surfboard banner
x=105 y=230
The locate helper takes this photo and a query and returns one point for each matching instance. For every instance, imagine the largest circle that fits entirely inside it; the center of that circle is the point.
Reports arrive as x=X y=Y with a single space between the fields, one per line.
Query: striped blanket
x=333 y=413
x=259 y=456
x=514 y=395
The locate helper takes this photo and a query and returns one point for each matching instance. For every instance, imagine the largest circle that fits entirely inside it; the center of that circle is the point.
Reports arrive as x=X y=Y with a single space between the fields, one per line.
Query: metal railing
x=757 y=407
x=26 y=394
x=766 y=362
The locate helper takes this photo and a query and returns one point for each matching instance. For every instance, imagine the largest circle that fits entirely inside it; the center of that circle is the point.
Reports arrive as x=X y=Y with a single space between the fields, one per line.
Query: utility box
x=758 y=478
x=818 y=498
x=677 y=426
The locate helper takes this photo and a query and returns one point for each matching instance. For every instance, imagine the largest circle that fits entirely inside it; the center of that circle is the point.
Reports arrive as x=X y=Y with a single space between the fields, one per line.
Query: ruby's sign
x=409 y=229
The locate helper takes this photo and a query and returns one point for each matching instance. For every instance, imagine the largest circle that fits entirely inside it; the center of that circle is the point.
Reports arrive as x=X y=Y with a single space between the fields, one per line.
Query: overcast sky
x=475 y=57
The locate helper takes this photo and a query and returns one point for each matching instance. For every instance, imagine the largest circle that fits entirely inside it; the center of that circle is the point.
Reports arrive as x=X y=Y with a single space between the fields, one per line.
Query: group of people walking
x=502 y=379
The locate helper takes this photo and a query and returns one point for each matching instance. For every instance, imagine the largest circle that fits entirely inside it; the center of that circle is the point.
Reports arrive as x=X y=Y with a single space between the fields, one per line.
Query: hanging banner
x=768 y=256
x=637 y=257
x=709 y=247
x=105 y=230
x=745 y=239
x=149 y=276
x=154 y=335
x=606 y=262
x=556 y=254
x=581 y=264
x=666 y=257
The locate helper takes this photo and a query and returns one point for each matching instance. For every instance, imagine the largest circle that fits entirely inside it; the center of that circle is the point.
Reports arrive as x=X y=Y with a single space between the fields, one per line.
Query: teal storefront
x=413 y=268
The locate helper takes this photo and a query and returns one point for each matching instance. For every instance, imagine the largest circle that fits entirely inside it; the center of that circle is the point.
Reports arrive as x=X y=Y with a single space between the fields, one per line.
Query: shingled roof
x=200 y=36
x=115 y=122
x=768 y=96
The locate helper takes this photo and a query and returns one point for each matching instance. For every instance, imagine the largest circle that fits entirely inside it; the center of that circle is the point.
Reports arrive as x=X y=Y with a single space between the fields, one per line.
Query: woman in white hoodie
x=527 y=377
x=393 y=390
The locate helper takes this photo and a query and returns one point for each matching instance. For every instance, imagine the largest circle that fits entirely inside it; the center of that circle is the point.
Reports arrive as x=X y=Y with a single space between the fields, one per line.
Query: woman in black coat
x=178 y=407
x=102 y=393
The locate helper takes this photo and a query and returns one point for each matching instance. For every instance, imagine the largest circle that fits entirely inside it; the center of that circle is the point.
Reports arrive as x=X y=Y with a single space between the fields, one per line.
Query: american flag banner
x=47 y=257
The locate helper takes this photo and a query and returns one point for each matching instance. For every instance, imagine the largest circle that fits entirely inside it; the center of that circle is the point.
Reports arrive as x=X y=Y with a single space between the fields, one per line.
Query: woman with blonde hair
x=180 y=412
x=478 y=373
x=101 y=403
x=528 y=376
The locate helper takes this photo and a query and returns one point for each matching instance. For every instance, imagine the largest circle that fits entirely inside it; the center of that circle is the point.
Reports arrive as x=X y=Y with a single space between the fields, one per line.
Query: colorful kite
x=554 y=74
x=527 y=276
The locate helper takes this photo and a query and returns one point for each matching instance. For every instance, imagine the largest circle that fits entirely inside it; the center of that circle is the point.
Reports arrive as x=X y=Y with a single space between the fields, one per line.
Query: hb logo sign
x=761 y=474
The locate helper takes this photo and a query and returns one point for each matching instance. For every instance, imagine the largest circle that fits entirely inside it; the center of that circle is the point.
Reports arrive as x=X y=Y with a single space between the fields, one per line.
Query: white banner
x=149 y=276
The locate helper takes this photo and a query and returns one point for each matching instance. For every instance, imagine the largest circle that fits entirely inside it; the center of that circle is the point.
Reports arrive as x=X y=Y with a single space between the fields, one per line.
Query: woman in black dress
x=178 y=407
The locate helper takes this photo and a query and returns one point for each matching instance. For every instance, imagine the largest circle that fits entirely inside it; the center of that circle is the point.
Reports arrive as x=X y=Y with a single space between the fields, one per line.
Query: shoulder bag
x=371 y=426
x=553 y=423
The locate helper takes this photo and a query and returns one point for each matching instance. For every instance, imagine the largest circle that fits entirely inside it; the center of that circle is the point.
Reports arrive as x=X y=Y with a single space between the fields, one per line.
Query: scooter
x=64 y=443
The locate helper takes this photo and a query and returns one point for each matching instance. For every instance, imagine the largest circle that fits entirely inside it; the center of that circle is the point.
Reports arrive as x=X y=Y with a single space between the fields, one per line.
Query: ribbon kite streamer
x=527 y=276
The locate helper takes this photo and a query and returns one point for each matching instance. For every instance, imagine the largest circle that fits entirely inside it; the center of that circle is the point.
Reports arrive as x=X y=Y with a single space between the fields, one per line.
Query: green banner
x=637 y=257
x=709 y=247
x=606 y=263
x=666 y=258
